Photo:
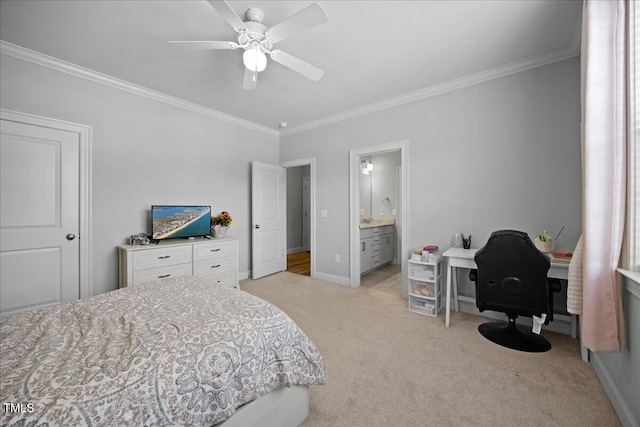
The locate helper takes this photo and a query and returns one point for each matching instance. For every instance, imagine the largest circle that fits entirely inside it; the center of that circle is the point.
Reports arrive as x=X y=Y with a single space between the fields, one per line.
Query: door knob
x=70 y=236
x=257 y=226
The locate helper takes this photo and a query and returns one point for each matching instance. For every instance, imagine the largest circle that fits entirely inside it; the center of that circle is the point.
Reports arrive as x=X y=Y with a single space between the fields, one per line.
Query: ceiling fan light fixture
x=254 y=59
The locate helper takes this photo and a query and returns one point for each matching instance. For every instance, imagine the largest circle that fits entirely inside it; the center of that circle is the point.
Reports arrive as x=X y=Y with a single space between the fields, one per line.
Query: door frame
x=311 y=162
x=84 y=215
x=355 y=157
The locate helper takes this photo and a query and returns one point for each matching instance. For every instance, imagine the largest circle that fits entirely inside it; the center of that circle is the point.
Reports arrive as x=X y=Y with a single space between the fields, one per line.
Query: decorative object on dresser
x=217 y=260
x=220 y=224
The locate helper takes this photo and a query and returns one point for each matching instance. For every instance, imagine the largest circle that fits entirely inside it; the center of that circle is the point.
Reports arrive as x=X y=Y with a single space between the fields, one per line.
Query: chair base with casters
x=513 y=336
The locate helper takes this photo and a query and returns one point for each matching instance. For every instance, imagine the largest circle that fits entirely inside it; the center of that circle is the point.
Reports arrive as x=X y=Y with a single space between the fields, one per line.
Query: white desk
x=463 y=258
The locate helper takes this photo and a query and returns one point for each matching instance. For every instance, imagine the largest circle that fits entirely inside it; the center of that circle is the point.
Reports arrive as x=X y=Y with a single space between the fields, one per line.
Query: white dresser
x=216 y=259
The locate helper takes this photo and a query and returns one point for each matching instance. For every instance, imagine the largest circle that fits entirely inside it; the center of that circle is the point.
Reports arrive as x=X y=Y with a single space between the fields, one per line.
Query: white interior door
x=39 y=216
x=268 y=235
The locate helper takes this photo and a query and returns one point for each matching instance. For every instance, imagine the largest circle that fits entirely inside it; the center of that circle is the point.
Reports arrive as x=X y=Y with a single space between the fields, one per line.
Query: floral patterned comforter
x=177 y=351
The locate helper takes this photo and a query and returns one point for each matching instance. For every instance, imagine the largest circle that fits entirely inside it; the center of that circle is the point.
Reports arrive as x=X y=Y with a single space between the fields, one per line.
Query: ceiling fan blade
x=206 y=44
x=305 y=19
x=250 y=79
x=228 y=14
x=297 y=65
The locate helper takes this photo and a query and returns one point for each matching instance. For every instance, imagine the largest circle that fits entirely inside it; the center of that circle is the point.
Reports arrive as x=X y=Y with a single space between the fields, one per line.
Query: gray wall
x=144 y=152
x=619 y=373
x=500 y=154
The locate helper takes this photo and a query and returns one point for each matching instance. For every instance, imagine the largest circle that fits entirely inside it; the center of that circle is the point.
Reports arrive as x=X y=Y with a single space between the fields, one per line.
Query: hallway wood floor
x=299 y=263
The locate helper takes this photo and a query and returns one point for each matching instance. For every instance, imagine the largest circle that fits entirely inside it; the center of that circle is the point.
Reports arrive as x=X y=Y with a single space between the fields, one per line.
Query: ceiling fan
x=257 y=40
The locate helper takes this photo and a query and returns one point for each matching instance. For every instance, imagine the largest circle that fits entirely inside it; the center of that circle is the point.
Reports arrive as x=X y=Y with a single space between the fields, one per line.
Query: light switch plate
x=324 y=213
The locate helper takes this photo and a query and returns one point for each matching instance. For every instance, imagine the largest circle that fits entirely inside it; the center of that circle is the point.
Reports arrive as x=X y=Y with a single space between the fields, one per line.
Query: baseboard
x=295 y=250
x=617 y=400
x=244 y=275
x=338 y=280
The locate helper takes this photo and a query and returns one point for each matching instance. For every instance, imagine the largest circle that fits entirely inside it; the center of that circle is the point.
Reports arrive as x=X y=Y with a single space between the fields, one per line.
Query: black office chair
x=512 y=278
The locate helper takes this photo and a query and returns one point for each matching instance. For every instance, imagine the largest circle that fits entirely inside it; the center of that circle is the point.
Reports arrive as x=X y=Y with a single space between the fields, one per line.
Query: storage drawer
x=213 y=266
x=366 y=233
x=375 y=231
x=375 y=250
x=375 y=240
x=213 y=250
x=375 y=261
x=154 y=258
x=421 y=272
x=422 y=306
x=143 y=276
x=423 y=289
x=387 y=229
x=225 y=279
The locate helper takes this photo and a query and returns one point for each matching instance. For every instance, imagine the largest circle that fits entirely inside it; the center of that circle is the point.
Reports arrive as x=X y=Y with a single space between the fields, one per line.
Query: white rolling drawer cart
x=216 y=259
x=425 y=287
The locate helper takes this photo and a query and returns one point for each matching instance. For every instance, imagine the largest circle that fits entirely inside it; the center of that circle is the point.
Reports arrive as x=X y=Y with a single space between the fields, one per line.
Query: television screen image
x=173 y=222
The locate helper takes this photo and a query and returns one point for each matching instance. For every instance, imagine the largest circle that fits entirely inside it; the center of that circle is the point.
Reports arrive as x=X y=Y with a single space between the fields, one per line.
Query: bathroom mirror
x=379 y=188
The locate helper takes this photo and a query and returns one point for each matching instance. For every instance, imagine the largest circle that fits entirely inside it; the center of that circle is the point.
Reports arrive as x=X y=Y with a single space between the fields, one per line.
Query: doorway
x=356 y=157
x=300 y=219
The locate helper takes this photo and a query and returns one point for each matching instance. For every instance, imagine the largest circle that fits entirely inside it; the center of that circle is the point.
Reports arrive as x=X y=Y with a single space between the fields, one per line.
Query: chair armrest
x=473 y=275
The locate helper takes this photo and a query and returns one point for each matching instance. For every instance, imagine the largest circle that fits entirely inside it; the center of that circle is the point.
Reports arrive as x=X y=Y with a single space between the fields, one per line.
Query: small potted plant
x=220 y=224
x=545 y=243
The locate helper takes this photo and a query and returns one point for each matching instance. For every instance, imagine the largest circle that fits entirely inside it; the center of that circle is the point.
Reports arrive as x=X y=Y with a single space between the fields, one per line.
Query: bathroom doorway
x=391 y=207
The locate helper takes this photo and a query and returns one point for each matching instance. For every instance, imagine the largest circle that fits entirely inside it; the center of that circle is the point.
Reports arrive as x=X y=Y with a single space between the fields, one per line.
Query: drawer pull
x=164 y=257
x=215 y=266
x=215 y=250
x=163 y=276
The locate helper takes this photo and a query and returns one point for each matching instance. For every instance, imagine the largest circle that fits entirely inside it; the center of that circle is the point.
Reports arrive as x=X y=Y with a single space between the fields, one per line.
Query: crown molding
x=25 y=54
x=462 y=82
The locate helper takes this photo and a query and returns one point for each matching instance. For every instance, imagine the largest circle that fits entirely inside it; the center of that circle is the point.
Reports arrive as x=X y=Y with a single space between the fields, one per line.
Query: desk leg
x=448 y=300
x=454 y=283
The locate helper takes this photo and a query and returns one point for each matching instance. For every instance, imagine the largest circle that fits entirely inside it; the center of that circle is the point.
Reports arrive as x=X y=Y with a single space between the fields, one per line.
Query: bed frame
x=286 y=407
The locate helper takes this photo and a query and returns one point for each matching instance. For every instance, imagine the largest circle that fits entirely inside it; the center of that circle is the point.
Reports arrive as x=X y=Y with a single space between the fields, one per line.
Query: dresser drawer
x=213 y=266
x=213 y=250
x=224 y=279
x=154 y=258
x=162 y=273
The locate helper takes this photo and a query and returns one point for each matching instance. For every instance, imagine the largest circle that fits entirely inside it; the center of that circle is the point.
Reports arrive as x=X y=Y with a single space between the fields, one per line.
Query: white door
x=306 y=212
x=268 y=219
x=39 y=216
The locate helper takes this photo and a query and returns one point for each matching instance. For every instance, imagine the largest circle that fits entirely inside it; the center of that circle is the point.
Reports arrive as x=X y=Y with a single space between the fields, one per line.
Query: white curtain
x=604 y=148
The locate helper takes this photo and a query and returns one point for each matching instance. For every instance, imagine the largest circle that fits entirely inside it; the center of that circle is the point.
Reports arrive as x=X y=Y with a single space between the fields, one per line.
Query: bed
x=175 y=351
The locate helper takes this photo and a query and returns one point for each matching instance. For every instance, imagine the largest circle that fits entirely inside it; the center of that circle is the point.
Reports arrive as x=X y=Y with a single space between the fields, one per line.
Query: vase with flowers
x=220 y=224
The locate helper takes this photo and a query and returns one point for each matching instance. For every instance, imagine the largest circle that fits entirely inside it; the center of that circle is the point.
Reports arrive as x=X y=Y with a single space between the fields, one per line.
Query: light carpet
x=387 y=366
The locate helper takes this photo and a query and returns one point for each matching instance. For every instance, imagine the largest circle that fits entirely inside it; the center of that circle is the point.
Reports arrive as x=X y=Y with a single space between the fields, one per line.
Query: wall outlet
x=324 y=213
x=337 y=258
x=394 y=212
x=381 y=211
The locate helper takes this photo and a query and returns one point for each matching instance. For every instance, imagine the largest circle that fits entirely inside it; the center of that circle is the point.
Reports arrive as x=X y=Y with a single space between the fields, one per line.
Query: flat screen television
x=174 y=222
